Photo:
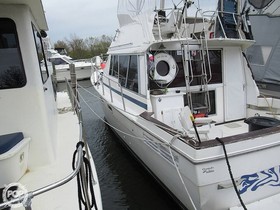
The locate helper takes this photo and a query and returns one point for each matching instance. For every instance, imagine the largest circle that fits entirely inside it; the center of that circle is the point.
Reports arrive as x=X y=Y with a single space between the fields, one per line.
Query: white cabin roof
x=36 y=8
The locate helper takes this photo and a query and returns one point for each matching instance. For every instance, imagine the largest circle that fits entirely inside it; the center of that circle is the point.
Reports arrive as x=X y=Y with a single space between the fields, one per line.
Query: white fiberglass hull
x=81 y=73
x=206 y=181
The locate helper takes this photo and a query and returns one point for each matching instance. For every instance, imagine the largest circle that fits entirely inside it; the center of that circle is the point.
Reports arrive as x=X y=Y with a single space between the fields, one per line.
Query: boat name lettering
x=208 y=170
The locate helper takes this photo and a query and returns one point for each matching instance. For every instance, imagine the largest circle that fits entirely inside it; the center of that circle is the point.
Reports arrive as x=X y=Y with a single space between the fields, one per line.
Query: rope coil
x=84 y=182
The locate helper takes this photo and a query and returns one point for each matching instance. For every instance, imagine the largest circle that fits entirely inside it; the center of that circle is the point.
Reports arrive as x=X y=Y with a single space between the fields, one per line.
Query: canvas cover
x=265 y=53
x=136 y=19
x=264 y=7
x=260 y=4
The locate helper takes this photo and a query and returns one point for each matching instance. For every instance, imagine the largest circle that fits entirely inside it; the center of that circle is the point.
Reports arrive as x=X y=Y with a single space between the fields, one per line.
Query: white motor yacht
x=178 y=91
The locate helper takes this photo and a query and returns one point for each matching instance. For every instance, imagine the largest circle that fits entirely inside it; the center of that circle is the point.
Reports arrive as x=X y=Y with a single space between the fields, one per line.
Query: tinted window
x=115 y=67
x=123 y=66
x=215 y=64
x=12 y=73
x=41 y=55
x=198 y=100
x=58 y=61
x=215 y=57
x=111 y=65
x=132 y=78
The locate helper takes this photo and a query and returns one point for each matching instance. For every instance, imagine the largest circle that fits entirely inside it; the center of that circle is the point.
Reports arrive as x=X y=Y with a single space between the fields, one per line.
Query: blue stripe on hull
x=133 y=100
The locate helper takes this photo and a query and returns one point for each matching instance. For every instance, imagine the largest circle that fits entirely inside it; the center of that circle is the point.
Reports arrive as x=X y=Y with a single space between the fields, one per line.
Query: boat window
x=132 y=78
x=12 y=74
x=111 y=65
x=123 y=66
x=115 y=66
x=58 y=61
x=215 y=57
x=41 y=55
x=215 y=64
x=198 y=100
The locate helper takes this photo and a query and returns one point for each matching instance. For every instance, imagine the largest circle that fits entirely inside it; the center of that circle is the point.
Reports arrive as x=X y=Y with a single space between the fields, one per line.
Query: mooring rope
x=179 y=174
x=230 y=173
x=84 y=184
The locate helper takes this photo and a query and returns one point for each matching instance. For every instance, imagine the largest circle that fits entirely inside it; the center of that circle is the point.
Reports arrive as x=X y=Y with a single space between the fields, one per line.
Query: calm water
x=124 y=182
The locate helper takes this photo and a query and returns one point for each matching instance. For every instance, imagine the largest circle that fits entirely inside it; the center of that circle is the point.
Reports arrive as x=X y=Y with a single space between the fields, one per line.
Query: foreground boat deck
x=61 y=167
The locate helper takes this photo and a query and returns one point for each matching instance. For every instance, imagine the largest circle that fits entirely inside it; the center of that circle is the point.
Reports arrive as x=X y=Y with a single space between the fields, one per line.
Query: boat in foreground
x=179 y=92
x=44 y=161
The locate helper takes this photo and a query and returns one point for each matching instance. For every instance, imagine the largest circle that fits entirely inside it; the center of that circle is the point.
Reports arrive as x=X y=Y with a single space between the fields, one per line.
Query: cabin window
x=114 y=71
x=41 y=54
x=132 y=77
x=198 y=100
x=215 y=64
x=58 y=61
x=125 y=68
x=12 y=74
x=196 y=64
x=111 y=65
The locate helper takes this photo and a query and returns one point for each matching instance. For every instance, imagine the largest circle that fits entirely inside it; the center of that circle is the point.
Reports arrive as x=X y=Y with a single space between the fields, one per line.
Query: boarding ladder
x=197 y=72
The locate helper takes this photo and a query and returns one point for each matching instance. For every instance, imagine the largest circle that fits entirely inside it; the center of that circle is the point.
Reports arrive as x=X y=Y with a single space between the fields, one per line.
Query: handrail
x=212 y=15
x=27 y=197
x=49 y=187
x=110 y=87
x=215 y=15
x=72 y=92
x=74 y=100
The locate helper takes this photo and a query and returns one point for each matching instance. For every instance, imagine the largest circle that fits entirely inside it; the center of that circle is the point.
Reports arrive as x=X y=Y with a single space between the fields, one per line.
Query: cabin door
x=234 y=85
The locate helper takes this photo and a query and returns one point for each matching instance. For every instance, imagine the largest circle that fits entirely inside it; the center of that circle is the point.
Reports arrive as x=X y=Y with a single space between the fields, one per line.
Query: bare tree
x=79 y=48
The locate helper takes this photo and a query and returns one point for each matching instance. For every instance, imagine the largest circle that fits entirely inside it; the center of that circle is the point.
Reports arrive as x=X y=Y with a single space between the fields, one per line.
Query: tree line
x=79 y=48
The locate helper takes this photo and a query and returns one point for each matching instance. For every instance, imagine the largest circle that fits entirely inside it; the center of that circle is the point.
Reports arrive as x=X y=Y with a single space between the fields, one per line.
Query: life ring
x=165 y=68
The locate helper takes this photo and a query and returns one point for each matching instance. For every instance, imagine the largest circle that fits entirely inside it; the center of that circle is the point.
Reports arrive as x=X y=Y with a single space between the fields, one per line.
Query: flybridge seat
x=8 y=141
x=205 y=132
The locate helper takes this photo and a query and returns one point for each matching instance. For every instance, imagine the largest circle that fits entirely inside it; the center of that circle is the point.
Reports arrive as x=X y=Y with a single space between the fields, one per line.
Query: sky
x=83 y=18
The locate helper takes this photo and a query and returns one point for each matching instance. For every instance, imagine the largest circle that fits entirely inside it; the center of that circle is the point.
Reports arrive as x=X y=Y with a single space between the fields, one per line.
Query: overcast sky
x=84 y=18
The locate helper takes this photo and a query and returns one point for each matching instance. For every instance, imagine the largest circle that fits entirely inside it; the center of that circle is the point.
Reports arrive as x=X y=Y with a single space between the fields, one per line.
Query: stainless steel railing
x=187 y=26
x=214 y=19
x=111 y=88
x=30 y=195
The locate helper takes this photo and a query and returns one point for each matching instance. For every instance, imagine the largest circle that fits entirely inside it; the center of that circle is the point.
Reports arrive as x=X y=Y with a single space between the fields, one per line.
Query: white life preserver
x=165 y=68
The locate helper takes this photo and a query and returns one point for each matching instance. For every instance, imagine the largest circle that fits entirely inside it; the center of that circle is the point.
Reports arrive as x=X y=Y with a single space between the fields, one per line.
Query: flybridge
x=144 y=22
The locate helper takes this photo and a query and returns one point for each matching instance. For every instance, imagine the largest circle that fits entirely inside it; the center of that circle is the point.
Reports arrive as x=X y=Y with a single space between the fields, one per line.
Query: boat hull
x=198 y=182
x=81 y=74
